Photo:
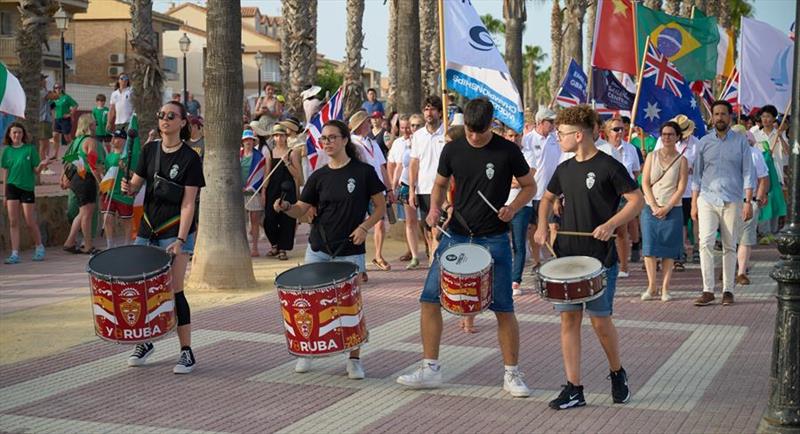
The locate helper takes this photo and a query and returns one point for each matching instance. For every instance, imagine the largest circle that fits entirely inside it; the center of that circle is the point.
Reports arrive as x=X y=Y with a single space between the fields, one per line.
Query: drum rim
x=479 y=272
x=575 y=300
x=322 y=285
x=130 y=278
x=581 y=278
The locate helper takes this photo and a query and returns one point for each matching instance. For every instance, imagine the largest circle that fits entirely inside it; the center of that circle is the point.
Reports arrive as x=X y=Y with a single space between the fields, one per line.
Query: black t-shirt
x=379 y=139
x=592 y=191
x=489 y=170
x=341 y=197
x=181 y=167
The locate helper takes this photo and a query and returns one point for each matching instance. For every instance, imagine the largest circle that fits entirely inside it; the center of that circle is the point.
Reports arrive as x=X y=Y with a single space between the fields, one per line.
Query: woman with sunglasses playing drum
x=174 y=175
x=340 y=192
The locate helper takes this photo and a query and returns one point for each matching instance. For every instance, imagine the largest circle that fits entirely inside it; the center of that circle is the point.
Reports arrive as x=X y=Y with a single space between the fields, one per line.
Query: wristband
x=181 y=240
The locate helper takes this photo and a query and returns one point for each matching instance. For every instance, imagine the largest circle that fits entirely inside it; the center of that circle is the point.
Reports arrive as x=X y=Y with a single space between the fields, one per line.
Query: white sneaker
x=666 y=297
x=425 y=377
x=48 y=172
x=515 y=385
x=303 y=365
x=355 y=369
x=646 y=296
x=516 y=289
x=623 y=274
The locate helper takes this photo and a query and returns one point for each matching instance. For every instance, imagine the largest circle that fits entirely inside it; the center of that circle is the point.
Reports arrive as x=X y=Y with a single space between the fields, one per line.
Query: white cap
x=544 y=113
x=458 y=119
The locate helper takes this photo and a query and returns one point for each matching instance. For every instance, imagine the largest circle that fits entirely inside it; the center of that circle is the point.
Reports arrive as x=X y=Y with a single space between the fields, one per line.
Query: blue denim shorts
x=500 y=248
x=188 y=246
x=601 y=306
x=358 y=260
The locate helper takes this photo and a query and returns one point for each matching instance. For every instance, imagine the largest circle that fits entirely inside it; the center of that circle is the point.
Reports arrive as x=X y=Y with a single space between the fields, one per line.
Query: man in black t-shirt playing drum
x=482 y=162
x=592 y=183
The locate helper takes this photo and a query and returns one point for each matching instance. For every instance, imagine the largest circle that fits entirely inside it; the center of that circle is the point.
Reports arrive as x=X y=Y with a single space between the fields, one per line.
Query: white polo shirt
x=123 y=104
x=371 y=154
x=427 y=147
x=625 y=154
x=546 y=154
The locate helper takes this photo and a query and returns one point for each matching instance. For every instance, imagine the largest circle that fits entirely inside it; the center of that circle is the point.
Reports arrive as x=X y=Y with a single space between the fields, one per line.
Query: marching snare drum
x=132 y=298
x=321 y=307
x=571 y=280
x=465 y=279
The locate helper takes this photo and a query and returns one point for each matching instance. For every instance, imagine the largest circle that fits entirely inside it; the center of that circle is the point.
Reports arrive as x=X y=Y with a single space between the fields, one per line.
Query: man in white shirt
x=772 y=137
x=371 y=154
x=121 y=105
x=426 y=146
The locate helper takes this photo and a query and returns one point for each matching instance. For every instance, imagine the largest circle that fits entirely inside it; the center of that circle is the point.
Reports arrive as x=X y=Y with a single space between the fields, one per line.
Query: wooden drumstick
x=581 y=234
x=550 y=249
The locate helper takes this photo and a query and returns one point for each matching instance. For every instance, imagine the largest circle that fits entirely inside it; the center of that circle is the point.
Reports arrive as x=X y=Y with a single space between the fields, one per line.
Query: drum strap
x=341 y=243
x=163 y=227
x=462 y=222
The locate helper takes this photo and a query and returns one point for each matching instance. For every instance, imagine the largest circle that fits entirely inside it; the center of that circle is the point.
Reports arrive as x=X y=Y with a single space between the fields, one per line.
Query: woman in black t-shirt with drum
x=341 y=192
x=174 y=175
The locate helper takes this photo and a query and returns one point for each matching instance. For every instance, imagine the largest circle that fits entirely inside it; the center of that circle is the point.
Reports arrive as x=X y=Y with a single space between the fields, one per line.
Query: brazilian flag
x=690 y=43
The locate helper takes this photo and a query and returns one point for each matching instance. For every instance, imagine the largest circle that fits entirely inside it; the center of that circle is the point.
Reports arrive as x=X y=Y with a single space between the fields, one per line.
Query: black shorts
x=63 y=126
x=686 y=204
x=15 y=193
x=85 y=189
x=424 y=206
x=535 y=214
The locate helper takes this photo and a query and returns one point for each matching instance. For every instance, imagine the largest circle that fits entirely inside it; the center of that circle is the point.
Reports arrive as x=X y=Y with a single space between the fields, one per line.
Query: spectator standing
x=400 y=158
x=45 y=124
x=193 y=106
x=115 y=204
x=121 y=106
x=100 y=115
x=372 y=105
x=65 y=108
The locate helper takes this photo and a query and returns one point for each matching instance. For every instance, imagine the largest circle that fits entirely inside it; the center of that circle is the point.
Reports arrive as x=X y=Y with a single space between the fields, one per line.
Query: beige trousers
x=728 y=218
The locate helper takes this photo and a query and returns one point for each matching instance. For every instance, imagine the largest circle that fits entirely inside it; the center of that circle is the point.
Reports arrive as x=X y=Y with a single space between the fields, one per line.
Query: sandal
x=273 y=252
x=72 y=249
x=92 y=252
x=282 y=256
x=382 y=264
x=405 y=258
x=679 y=267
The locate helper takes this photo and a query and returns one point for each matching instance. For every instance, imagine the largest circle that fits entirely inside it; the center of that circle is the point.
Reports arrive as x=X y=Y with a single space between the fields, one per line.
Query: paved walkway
x=691 y=369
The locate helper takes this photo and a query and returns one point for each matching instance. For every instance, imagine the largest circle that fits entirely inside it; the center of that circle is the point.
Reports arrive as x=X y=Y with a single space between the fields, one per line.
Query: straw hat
x=686 y=124
x=291 y=125
x=278 y=129
x=357 y=119
x=258 y=129
x=310 y=92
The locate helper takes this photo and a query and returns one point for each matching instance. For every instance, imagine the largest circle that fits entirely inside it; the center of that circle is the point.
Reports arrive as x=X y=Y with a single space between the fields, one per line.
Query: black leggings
x=280 y=228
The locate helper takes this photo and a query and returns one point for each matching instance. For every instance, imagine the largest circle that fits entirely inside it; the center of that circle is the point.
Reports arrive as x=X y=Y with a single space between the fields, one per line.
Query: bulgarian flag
x=12 y=97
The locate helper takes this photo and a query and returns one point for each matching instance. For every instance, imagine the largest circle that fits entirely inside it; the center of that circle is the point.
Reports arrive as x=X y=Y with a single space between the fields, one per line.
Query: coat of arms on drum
x=130 y=307
x=303 y=320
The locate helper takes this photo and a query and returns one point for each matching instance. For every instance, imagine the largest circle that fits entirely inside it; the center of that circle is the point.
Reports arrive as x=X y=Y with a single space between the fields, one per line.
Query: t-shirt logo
x=173 y=171
x=590 y=180
x=351 y=185
x=489 y=170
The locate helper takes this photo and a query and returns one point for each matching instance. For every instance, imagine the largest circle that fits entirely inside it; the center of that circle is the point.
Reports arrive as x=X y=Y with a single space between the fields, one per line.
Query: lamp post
x=184 y=43
x=259 y=62
x=783 y=410
x=62 y=23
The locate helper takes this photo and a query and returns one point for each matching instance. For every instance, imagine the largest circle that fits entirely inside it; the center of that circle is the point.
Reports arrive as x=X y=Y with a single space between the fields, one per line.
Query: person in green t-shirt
x=65 y=107
x=21 y=163
x=115 y=204
x=100 y=114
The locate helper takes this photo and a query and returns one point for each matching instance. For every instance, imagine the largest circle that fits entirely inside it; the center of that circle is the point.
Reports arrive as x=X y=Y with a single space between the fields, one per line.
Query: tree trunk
x=222 y=256
x=702 y=5
x=147 y=77
x=653 y=4
x=725 y=19
x=391 y=97
x=303 y=54
x=353 y=84
x=429 y=47
x=573 y=32
x=408 y=61
x=591 y=17
x=515 y=15
x=32 y=33
x=673 y=7
x=556 y=35
x=288 y=11
x=713 y=7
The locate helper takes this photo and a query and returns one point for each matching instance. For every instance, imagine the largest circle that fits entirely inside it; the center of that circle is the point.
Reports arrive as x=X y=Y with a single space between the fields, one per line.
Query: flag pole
x=553 y=101
x=443 y=65
x=638 y=91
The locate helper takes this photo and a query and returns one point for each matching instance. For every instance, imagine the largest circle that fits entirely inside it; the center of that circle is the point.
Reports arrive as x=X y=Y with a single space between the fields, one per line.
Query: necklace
x=339 y=166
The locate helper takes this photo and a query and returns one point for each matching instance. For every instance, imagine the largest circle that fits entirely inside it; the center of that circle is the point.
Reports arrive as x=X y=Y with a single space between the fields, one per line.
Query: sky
x=332 y=29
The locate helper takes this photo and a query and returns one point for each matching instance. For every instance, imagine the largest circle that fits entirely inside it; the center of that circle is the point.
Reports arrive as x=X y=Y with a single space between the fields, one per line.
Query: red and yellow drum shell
x=465 y=280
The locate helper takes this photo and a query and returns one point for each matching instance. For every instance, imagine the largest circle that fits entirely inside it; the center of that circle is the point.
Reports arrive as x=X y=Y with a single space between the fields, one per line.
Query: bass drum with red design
x=465 y=280
x=132 y=298
x=321 y=308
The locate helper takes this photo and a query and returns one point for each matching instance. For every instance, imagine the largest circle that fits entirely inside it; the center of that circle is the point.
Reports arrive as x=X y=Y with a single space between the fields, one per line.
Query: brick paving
x=691 y=369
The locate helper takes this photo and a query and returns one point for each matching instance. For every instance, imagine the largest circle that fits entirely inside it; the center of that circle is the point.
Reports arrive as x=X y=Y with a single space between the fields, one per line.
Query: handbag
x=164 y=189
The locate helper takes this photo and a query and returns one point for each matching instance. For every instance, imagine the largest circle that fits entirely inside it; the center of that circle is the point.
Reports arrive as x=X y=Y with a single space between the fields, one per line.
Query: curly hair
x=579 y=116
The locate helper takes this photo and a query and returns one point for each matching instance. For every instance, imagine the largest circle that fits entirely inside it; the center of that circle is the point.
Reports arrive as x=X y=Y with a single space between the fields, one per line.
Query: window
x=6 y=24
x=171 y=64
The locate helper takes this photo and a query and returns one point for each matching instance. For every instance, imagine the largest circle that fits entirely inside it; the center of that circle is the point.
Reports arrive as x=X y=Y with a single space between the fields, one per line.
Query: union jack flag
x=658 y=65
x=730 y=92
x=564 y=99
x=333 y=109
x=702 y=88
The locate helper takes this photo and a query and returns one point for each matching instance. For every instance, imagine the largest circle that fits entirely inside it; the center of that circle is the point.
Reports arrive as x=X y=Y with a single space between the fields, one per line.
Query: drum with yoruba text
x=465 y=279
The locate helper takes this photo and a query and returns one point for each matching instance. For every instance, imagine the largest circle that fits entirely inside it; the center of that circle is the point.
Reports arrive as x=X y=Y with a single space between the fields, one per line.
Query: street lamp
x=62 y=23
x=184 y=43
x=259 y=62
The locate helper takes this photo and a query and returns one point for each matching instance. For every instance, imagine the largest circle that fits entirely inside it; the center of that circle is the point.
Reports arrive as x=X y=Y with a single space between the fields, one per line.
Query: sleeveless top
x=668 y=184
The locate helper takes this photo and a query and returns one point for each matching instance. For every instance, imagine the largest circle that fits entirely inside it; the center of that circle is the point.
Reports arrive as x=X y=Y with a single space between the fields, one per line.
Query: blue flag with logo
x=573 y=88
x=664 y=94
x=609 y=92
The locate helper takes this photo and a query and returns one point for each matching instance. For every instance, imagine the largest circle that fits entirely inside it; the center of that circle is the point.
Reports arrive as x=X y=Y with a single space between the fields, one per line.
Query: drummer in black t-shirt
x=592 y=183
x=174 y=175
x=486 y=163
x=341 y=192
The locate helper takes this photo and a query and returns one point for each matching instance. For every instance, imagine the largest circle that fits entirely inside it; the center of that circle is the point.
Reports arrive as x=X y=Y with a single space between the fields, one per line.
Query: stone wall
x=51 y=213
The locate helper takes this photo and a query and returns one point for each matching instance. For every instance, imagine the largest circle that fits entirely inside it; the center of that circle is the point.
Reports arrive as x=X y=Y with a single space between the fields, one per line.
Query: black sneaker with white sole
x=140 y=354
x=570 y=396
x=619 y=386
x=185 y=363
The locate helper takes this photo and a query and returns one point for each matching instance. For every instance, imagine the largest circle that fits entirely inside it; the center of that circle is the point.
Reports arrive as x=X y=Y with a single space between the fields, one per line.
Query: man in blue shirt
x=372 y=105
x=722 y=169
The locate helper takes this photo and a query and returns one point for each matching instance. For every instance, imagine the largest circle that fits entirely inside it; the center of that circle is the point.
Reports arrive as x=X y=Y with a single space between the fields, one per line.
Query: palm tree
x=391 y=97
x=653 y=4
x=287 y=10
x=222 y=258
x=429 y=46
x=731 y=17
x=302 y=52
x=673 y=7
x=408 y=58
x=531 y=59
x=515 y=15
x=591 y=18
x=147 y=77
x=556 y=39
x=542 y=87
x=573 y=32
x=353 y=85
x=32 y=33
x=493 y=25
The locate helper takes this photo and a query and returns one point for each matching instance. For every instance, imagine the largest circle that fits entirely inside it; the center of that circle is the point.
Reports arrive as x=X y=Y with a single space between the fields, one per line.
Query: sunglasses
x=167 y=115
x=416 y=125
x=618 y=129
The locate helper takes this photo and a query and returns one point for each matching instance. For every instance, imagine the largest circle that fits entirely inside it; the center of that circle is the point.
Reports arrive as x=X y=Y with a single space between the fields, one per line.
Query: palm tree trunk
x=391 y=97
x=287 y=10
x=32 y=33
x=573 y=32
x=303 y=54
x=556 y=34
x=147 y=77
x=354 y=87
x=515 y=15
x=222 y=258
x=686 y=8
x=429 y=47
x=673 y=7
x=408 y=59
x=653 y=4
x=591 y=10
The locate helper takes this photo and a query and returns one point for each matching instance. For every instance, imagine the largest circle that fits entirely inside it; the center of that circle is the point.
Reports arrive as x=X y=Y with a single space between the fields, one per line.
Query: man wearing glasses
x=121 y=107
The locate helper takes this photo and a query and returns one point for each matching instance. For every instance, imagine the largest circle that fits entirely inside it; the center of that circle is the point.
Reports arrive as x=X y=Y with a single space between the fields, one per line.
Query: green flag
x=690 y=43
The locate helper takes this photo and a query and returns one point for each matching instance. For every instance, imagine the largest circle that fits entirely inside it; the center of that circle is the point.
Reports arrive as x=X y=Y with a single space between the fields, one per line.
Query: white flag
x=475 y=67
x=12 y=98
x=765 y=73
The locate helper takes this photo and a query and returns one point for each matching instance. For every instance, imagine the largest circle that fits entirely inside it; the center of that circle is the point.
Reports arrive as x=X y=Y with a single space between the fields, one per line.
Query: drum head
x=316 y=275
x=129 y=263
x=465 y=259
x=570 y=268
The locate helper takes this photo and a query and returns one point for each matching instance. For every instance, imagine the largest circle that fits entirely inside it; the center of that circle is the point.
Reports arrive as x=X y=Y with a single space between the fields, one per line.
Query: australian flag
x=664 y=94
x=332 y=109
x=573 y=89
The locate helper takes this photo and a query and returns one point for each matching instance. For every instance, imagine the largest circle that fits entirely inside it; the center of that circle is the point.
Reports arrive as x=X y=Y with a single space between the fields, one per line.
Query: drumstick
x=443 y=231
x=487 y=202
x=581 y=234
x=550 y=249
